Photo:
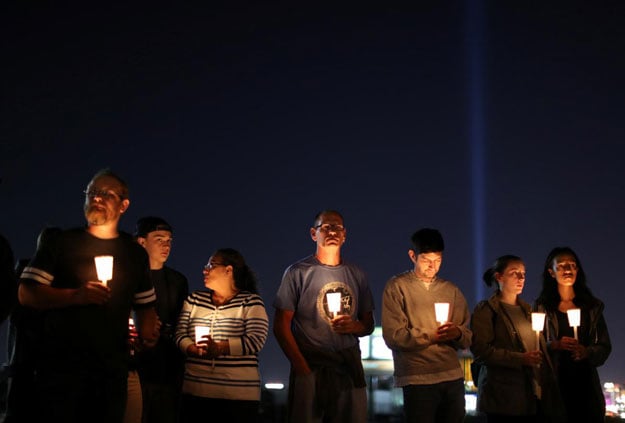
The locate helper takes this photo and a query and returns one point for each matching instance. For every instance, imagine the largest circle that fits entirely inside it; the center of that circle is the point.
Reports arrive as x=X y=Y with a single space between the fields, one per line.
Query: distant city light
x=614 y=399
x=373 y=346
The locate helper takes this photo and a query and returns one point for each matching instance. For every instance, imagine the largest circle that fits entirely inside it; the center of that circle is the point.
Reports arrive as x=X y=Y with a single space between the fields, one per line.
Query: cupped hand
x=567 y=343
x=344 y=324
x=92 y=293
x=532 y=358
x=194 y=350
x=447 y=332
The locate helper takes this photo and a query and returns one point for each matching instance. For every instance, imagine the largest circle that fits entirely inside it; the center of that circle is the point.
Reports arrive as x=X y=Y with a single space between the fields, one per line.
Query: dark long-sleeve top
x=504 y=384
x=593 y=334
x=164 y=364
x=598 y=342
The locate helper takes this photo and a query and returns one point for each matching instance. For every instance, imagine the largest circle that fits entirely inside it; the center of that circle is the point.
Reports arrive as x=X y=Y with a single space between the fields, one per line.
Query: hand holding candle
x=574 y=318
x=104 y=268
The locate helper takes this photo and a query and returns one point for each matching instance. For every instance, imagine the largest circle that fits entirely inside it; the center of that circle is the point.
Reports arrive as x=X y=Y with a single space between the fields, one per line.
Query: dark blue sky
x=238 y=123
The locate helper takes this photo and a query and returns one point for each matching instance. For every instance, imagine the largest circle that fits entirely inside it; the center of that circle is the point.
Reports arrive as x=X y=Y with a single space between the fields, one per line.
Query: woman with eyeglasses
x=577 y=348
x=514 y=371
x=221 y=330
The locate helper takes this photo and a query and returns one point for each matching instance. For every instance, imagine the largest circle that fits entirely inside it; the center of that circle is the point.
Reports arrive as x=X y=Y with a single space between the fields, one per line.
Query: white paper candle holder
x=538 y=323
x=442 y=312
x=104 y=268
x=334 y=302
x=200 y=333
x=574 y=316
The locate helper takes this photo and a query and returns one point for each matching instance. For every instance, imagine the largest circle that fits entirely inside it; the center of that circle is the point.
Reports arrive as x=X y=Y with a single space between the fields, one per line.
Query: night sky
x=499 y=124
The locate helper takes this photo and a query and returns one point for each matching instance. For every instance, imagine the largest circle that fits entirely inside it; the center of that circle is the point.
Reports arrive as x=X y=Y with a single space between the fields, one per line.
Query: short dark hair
x=326 y=211
x=427 y=240
x=108 y=172
x=148 y=224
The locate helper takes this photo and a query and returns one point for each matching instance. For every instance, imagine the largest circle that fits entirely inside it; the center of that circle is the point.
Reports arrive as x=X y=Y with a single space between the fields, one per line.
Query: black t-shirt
x=165 y=362
x=91 y=337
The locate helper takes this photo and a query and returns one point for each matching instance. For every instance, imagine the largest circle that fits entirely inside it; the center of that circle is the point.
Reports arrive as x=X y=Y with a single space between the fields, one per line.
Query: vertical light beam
x=475 y=60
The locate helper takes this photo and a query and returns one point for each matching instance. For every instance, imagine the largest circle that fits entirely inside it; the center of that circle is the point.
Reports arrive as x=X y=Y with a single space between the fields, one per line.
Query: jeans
x=351 y=404
x=66 y=397
x=438 y=403
x=134 y=405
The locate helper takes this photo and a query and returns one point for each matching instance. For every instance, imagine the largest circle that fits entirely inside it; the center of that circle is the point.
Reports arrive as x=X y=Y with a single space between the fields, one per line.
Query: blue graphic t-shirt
x=304 y=289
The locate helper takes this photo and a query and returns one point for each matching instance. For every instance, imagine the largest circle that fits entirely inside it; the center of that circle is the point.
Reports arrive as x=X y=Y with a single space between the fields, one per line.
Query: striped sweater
x=243 y=322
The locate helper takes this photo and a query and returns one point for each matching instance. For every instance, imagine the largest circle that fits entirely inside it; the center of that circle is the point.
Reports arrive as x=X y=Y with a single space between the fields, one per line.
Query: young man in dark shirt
x=161 y=369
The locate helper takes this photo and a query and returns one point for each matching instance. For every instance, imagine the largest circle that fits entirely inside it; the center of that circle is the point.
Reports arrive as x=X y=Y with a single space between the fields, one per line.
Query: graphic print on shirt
x=340 y=301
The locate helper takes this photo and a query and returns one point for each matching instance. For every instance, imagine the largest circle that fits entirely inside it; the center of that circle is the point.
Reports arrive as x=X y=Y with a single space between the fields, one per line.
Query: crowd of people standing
x=138 y=347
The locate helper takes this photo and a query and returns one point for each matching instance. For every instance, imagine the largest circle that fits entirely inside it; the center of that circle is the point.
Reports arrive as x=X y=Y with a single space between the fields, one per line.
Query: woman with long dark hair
x=221 y=370
x=576 y=352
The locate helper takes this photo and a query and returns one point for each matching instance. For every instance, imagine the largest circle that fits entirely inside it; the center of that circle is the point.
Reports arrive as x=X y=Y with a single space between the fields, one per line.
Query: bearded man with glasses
x=81 y=371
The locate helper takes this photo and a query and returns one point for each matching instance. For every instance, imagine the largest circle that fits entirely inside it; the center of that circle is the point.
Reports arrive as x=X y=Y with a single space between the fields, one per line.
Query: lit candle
x=133 y=335
x=538 y=323
x=442 y=312
x=574 y=318
x=104 y=268
x=200 y=333
x=334 y=302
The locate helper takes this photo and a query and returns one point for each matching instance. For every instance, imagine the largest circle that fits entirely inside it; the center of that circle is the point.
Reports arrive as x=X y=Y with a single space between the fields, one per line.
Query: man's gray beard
x=96 y=217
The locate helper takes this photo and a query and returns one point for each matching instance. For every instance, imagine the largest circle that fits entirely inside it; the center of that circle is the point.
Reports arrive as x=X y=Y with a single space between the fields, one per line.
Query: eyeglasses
x=327 y=227
x=210 y=266
x=103 y=194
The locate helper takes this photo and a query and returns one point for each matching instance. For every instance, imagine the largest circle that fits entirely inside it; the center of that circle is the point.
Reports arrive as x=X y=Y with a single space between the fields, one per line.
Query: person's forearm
x=147 y=326
x=293 y=353
x=290 y=348
x=45 y=297
x=367 y=324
